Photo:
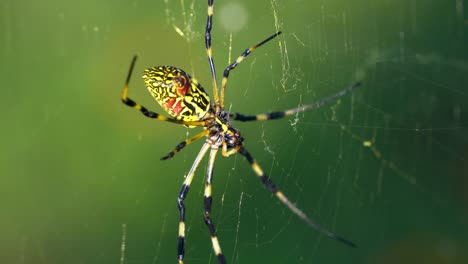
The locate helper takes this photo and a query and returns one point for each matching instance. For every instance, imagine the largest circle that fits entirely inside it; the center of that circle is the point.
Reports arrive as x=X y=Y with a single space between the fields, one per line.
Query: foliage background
x=76 y=165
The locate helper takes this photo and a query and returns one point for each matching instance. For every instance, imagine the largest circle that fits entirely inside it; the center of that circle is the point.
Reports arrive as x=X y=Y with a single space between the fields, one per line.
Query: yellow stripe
x=124 y=93
x=210 y=10
x=188 y=180
x=281 y=196
x=181 y=229
x=208 y=190
x=290 y=111
x=240 y=59
x=257 y=169
x=223 y=82
x=262 y=117
x=224 y=127
x=209 y=52
x=216 y=247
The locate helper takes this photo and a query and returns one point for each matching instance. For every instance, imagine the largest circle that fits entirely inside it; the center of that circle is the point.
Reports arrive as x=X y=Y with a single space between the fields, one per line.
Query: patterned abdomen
x=181 y=96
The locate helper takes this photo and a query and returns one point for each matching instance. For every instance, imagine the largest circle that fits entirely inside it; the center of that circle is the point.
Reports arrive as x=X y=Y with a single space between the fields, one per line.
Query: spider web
x=384 y=167
x=356 y=138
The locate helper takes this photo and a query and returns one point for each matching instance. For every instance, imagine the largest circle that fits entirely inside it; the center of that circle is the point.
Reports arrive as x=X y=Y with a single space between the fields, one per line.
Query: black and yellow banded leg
x=207 y=208
x=184 y=143
x=268 y=183
x=150 y=114
x=281 y=114
x=209 y=51
x=239 y=60
x=180 y=202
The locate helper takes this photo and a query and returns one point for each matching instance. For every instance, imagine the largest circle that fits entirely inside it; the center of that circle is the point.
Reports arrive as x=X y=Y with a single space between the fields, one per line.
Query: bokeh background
x=386 y=167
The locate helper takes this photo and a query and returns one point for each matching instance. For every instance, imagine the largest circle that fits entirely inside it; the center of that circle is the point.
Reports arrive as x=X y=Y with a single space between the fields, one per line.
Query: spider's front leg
x=281 y=114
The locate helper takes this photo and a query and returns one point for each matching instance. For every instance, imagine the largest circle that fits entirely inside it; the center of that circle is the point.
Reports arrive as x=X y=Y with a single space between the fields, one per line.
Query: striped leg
x=144 y=110
x=184 y=143
x=207 y=211
x=278 y=115
x=209 y=51
x=274 y=189
x=239 y=60
x=180 y=202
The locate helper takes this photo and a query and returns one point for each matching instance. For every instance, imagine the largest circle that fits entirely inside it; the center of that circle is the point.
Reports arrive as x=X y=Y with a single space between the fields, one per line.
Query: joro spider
x=185 y=100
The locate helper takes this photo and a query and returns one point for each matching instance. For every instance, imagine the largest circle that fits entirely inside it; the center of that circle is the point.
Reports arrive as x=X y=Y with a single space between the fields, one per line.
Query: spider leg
x=281 y=114
x=180 y=202
x=268 y=183
x=226 y=153
x=209 y=51
x=207 y=209
x=150 y=114
x=184 y=143
x=239 y=60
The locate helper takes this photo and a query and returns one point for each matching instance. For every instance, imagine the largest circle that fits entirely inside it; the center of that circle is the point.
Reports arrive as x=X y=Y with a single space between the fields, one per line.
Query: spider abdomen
x=180 y=95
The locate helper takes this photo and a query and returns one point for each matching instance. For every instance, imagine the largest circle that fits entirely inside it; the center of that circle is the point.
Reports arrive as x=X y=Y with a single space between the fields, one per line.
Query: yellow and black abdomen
x=181 y=96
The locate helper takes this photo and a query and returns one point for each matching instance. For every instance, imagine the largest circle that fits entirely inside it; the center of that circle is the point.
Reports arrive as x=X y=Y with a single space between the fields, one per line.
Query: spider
x=187 y=103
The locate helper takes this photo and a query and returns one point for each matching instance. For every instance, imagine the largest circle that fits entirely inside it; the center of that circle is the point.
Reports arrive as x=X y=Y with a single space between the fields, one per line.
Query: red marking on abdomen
x=170 y=103
x=173 y=107
x=177 y=108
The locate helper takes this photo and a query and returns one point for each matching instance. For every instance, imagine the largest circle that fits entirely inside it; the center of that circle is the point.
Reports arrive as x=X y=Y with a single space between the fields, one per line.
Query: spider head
x=232 y=137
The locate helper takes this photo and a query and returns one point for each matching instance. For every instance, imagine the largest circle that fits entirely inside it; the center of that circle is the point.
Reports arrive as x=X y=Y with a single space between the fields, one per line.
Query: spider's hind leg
x=268 y=183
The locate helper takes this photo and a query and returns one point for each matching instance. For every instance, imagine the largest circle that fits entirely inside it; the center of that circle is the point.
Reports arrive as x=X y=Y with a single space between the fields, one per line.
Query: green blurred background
x=386 y=166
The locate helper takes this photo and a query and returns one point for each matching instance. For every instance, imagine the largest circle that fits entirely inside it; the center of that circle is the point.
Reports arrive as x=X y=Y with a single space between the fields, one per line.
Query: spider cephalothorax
x=187 y=103
x=233 y=138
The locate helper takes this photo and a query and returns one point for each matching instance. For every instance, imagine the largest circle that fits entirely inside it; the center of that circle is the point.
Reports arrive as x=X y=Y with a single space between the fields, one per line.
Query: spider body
x=181 y=96
x=184 y=98
x=223 y=128
x=187 y=103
